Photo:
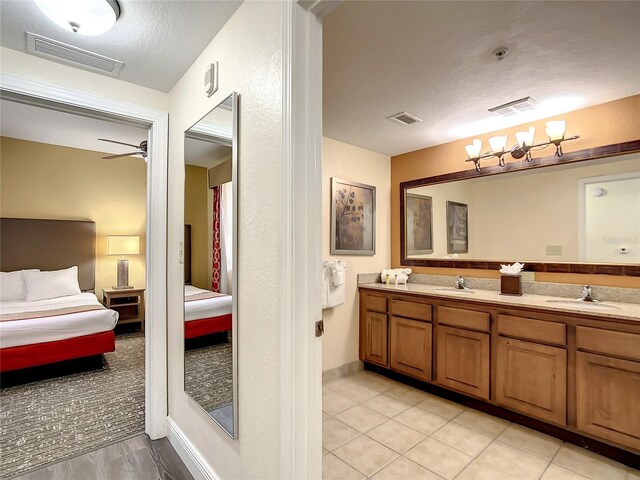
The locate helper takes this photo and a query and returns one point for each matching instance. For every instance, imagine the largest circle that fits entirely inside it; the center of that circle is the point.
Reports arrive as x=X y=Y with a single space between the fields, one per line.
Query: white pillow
x=54 y=284
x=12 y=286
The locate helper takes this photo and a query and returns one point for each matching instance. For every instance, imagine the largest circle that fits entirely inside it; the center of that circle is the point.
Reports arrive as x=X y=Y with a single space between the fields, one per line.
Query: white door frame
x=156 y=236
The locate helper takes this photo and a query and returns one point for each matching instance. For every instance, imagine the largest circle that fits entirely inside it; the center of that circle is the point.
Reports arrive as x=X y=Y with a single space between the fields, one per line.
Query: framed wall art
x=353 y=218
x=419 y=224
x=457 y=227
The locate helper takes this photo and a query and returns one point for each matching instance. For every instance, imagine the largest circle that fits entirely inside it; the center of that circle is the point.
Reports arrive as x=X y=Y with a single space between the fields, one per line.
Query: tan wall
x=196 y=214
x=340 y=341
x=38 y=180
x=613 y=122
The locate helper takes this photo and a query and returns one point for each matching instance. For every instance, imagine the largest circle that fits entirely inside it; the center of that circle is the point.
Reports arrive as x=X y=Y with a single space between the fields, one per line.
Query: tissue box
x=510 y=285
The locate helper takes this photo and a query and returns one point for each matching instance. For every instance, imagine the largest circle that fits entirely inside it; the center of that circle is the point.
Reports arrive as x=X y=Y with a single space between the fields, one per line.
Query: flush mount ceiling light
x=84 y=17
x=525 y=143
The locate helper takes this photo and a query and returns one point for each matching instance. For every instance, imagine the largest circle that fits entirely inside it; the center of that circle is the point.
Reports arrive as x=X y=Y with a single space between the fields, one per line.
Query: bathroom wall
x=604 y=124
x=340 y=341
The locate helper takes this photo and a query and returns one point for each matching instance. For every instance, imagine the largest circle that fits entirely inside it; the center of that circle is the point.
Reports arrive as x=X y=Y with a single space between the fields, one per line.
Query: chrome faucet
x=587 y=295
x=460 y=283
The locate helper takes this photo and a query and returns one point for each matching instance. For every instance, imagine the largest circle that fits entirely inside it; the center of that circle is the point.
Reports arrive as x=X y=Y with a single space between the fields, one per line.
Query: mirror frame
x=543 y=162
x=235 y=127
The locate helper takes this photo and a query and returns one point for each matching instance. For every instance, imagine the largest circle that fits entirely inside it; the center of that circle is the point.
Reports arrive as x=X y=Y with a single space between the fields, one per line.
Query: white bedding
x=48 y=329
x=207 y=308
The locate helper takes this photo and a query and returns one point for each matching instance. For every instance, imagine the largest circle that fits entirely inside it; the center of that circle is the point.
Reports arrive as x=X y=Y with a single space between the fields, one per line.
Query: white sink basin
x=581 y=304
x=454 y=290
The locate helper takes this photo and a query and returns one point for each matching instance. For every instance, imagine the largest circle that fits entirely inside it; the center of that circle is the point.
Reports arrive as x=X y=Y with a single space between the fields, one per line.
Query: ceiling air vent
x=514 y=108
x=70 y=55
x=404 y=118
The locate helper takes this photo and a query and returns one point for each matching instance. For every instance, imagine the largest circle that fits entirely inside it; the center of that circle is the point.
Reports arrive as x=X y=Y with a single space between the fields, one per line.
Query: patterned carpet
x=45 y=421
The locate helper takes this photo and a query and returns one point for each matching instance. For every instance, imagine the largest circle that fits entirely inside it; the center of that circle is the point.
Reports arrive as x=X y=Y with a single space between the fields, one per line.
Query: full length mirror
x=210 y=260
x=587 y=211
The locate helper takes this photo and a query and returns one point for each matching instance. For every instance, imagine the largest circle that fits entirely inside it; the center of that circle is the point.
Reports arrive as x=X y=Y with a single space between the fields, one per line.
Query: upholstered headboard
x=49 y=245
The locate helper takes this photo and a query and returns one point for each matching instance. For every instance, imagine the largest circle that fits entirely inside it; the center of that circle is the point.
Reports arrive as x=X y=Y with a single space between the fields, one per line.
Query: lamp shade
x=123 y=245
x=84 y=17
x=498 y=144
x=555 y=130
x=473 y=150
x=525 y=139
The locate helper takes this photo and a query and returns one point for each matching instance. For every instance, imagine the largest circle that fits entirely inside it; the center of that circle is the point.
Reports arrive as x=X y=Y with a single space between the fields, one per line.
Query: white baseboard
x=189 y=454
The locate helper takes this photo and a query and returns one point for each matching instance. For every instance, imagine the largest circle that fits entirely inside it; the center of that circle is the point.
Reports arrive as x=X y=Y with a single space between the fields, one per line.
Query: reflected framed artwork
x=353 y=218
x=419 y=224
x=457 y=227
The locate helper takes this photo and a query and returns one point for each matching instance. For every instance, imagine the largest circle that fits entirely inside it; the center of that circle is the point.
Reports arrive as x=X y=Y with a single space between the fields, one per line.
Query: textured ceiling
x=434 y=60
x=41 y=125
x=156 y=40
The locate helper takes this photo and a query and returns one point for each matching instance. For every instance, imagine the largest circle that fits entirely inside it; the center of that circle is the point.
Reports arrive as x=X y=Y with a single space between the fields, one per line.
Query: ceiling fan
x=141 y=149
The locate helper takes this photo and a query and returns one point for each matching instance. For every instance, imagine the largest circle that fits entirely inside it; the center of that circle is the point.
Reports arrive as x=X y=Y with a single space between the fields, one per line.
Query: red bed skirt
x=207 y=326
x=24 y=356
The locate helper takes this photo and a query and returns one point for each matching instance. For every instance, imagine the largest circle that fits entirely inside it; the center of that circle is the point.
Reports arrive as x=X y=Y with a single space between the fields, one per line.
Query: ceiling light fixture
x=84 y=17
x=525 y=143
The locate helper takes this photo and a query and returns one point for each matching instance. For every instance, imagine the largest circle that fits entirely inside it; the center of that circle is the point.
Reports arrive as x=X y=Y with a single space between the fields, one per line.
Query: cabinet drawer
x=531 y=329
x=374 y=302
x=608 y=341
x=459 y=317
x=402 y=308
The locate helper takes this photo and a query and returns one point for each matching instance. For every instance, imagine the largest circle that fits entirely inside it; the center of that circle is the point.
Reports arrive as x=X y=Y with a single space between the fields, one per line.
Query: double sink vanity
x=574 y=365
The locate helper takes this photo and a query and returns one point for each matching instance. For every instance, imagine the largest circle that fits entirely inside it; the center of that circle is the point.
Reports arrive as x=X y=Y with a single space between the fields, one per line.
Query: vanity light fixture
x=84 y=17
x=525 y=144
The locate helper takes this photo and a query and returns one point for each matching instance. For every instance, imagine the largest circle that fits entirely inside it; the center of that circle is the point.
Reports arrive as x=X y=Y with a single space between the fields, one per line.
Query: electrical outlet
x=527 y=276
x=554 y=249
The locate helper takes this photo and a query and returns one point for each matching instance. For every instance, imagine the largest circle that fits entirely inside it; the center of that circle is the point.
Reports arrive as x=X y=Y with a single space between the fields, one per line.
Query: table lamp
x=123 y=245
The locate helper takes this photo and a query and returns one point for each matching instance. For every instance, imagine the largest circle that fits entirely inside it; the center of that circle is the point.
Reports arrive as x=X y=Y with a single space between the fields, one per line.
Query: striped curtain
x=216 y=269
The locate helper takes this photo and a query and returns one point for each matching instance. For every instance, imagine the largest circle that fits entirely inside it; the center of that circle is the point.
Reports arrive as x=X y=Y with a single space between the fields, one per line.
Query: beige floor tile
x=396 y=436
x=462 y=438
x=357 y=391
x=439 y=458
x=589 y=464
x=481 y=422
x=633 y=474
x=420 y=420
x=336 y=434
x=333 y=402
x=366 y=455
x=324 y=451
x=482 y=470
x=335 y=469
x=361 y=418
x=556 y=472
x=326 y=416
x=407 y=394
x=386 y=405
x=404 y=469
x=531 y=441
x=513 y=461
x=375 y=381
x=440 y=406
x=340 y=383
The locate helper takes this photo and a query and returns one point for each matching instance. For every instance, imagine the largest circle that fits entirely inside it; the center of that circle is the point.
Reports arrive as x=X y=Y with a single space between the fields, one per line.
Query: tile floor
x=374 y=427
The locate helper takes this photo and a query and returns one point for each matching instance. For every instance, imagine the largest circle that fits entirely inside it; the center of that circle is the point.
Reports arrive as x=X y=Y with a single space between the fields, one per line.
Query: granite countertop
x=610 y=310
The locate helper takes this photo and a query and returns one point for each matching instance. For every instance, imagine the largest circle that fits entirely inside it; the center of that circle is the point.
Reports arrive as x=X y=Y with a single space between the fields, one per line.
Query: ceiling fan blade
x=120 y=143
x=121 y=155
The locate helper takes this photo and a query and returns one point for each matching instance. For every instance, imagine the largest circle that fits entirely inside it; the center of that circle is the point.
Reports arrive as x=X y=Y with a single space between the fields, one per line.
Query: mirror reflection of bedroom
x=210 y=168
x=72 y=287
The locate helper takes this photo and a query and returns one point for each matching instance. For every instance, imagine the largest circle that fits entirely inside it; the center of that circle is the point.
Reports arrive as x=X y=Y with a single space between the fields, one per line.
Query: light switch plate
x=554 y=249
x=211 y=79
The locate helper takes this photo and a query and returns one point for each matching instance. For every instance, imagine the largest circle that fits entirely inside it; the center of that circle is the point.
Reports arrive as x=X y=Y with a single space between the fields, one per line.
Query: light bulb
x=555 y=130
x=498 y=144
x=473 y=150
x=84 y=17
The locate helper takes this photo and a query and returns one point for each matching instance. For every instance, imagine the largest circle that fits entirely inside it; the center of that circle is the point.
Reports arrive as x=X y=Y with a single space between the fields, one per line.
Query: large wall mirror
x=210 y=264
x=578 y=212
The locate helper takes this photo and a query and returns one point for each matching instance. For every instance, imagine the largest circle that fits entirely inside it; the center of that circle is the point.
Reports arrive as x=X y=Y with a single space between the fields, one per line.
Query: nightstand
x=128 y=303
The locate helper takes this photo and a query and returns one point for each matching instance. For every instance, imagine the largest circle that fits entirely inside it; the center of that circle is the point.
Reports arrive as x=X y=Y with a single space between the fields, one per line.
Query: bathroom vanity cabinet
x=579 y=371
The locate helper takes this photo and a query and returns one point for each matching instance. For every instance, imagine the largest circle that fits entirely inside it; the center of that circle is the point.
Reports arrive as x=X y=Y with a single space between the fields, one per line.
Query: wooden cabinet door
x=410 y=347
x=375 y=347
x=462 y=358
x=608 y=390
x=532 y=379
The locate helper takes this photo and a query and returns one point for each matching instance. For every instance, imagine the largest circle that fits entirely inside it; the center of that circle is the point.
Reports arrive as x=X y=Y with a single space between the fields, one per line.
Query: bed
x=206 y=312
x=40 y=332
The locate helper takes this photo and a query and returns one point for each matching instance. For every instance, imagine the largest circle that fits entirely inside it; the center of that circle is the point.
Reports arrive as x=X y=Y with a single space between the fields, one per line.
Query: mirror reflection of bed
x=208 y=265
